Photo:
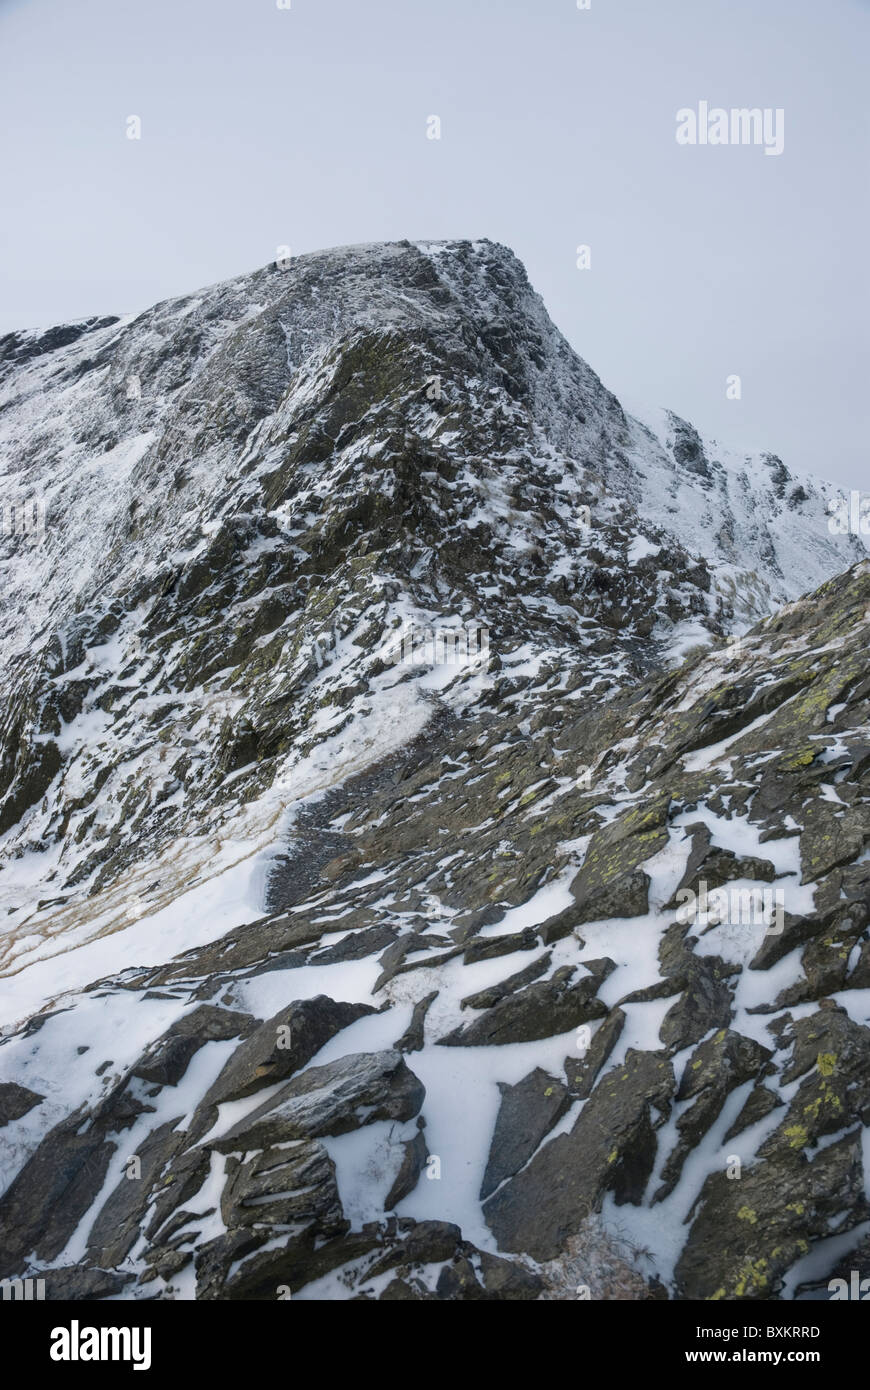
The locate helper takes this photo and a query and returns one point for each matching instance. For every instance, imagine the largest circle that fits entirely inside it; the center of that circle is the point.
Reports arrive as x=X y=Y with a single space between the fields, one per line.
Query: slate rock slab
x=281 y=1046
x=333 y=1099
x=527 y=1113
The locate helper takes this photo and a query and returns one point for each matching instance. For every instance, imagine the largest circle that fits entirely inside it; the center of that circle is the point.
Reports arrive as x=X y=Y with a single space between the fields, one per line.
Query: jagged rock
x=166 y=1061
x=824 y=963
x=243 y=1271
x=714 y=1070
x=852 y=1270
x=747 y=1233
x=561 y=925
x=488 y=998
x=392 y=958
x=116 y=1226
x=280 y=1046
x=292 y=1186
x=624 y=895
x=164 y=1262
x=74 y=1283
x=404 y=1291
x=832 y=1054
x=490 y=947
x=611 y=1148
x=274 y=937
x=466 y=1272
x=16 y=1101
x=714 y=866
x=662 y=989
x=796 y=931
x=356 y=945
x=413 y=1038
x=331 y=1099
x=468 y=923
x=759 y=1103
x=828 y=1031
x=722 y=1062
x=538 y=1011
x=458 y=1281
x=508 y=1280
x=423 y=1242
x=705 y=1002
x=215 y=1258
x=611 y=882
x=859 y=977
x=600 y=969
x=675 y=953
x=527 y=1113
x=582 y=1072
x=832 y=835
x=46 y=1200
x=414 y=1155
x=184 y=1178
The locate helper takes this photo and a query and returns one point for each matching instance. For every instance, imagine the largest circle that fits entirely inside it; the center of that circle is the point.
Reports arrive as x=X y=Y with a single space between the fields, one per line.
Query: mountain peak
x=362 y=627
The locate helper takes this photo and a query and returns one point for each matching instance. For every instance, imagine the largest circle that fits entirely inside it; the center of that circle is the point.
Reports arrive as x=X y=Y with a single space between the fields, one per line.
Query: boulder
x=527 y=1113
x=332 y=1099
x=16 y=1101
x=540 y=1010
x=611 y=1148
x=281 y=1046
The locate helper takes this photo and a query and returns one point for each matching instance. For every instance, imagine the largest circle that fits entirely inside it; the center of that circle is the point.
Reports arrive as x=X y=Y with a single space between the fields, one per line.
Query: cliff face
x=349 y=743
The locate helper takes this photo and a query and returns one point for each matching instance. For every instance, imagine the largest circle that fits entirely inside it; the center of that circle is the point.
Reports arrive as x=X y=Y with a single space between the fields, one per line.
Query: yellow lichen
x=826 y=1063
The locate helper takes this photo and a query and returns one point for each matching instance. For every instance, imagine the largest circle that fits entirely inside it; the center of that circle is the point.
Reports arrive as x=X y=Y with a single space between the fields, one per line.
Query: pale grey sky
x=307 y=126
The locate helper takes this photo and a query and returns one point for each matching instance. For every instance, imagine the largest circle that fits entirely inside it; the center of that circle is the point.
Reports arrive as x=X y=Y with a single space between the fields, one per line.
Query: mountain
x=380 y=704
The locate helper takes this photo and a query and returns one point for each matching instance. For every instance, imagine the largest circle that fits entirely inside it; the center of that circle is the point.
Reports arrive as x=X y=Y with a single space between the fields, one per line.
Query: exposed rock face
x=15 y=1101
x=611 y=1148
x=562 y=930
x=527 y=1112
x=330 y=1100
x=281 y=1046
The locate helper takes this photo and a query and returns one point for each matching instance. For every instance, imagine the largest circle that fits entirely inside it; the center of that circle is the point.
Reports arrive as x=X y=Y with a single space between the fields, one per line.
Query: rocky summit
x=434 y=809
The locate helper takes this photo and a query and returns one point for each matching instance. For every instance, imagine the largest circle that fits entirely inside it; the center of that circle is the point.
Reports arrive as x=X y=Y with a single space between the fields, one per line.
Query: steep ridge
x=352 y=608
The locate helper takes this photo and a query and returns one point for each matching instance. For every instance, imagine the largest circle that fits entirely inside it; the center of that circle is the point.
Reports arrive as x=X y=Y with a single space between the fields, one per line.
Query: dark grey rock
x=539 y=1011
x=16 y=1101
x=611 y=1148
x=166 y=1061
x=527 y=1113
x=746 y=1234
x=488 y=998
x=332 y=1099
x=414 y=1155
x=49 y=1196
x=117 y=1223
x=413 y=1038
x=292 y=1186
x=281 y=1046
x=74 y=1283
x=581 y=1072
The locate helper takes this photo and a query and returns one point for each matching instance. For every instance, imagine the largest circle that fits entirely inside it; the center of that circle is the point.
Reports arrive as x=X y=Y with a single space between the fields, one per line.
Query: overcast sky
x=307 y=127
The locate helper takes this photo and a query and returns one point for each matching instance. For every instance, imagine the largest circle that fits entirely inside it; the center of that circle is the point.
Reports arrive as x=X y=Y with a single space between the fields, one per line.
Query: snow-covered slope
x=337 y=672
x=769 y=529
